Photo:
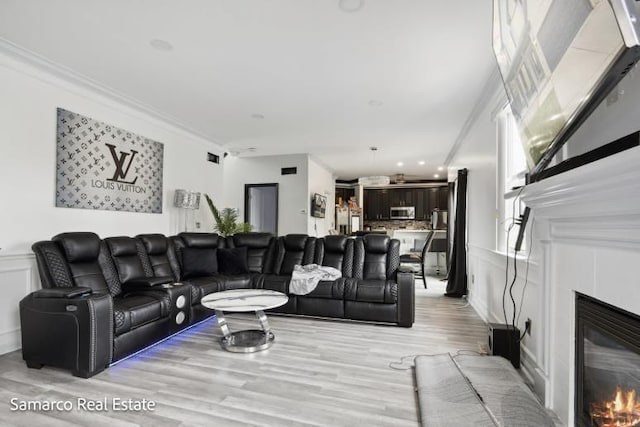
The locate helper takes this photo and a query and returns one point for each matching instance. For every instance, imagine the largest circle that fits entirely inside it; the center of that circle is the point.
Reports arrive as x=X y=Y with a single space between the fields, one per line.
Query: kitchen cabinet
x=423 y=209
x=344 y=193
x=369 y=210
x=443 y=198
x=385 y=205
x=432 y=195
x=439 y=198
x=376 y=204
x=402 y=197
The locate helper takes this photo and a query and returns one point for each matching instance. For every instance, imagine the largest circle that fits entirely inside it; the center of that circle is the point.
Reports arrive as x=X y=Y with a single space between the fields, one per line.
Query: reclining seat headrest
x=155 y=244
x=335 y=244
x=201 y=240
x=376 y=243
x=82 y=251
x=79 y=246
x=252 y=240
x=294 y=249
x=336 y=252
x=160 y=255
x=377 y=251
x=295 y=242
x=260 y=248
x=122 y=246
x=126 y=258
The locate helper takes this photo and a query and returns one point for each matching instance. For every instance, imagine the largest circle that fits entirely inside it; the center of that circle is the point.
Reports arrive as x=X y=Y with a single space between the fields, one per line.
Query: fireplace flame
x=623 y=410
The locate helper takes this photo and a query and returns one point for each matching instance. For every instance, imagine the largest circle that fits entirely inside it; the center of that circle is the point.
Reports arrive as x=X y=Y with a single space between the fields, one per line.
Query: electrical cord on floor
x=400 y=366
x=394 y=365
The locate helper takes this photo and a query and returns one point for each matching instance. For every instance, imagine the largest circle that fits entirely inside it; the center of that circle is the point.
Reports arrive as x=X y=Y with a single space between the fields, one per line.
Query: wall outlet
x=527 y=326
x=473 y=278
x=197 y=225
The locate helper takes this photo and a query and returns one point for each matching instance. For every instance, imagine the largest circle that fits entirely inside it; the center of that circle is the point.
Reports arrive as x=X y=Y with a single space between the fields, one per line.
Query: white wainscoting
x=18 y=277
x=486 y=283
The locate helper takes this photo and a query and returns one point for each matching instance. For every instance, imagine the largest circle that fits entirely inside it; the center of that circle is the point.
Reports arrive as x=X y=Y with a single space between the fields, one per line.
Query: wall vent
x=289 y=171
x=213 y=158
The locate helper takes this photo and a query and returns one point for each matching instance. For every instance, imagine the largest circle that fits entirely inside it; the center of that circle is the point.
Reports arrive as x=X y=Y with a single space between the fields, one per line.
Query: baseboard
x=530 y=370
x=533 y=374
x=10 y=341
x=480 y=308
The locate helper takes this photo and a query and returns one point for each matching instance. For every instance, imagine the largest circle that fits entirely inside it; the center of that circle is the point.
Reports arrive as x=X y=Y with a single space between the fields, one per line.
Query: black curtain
x=457 y=285
x=451 y=205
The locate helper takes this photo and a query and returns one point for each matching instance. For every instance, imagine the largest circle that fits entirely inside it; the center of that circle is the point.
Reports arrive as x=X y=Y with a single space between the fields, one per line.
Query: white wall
x=29 y=96
x=486 y=266
x=321 y=181
x=293 y=200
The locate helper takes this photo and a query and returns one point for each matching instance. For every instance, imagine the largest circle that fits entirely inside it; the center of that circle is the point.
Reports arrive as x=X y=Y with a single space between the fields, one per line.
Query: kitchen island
x=411 y=241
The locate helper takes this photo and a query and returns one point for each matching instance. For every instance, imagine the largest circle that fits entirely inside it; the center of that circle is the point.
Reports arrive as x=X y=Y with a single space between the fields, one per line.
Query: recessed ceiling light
x=421 y=162
x=257 y=116
x=350 y=5
x=436 y=176
x=400 y=164
x=161 y=45
x=440 y=168
x=375 y=103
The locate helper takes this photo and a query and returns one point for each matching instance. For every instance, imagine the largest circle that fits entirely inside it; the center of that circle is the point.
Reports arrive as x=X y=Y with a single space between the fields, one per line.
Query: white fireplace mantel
x=587 y=223
x=600 y=189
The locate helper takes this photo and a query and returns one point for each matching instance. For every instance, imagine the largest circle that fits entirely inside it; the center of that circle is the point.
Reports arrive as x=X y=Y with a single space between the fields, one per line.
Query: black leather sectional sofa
x=105 y=299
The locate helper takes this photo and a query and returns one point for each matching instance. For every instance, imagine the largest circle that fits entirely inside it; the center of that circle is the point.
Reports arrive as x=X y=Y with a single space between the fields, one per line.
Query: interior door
x=261 y=207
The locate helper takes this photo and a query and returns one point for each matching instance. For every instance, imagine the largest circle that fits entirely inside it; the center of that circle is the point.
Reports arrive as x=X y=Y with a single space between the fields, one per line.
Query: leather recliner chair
x=327 y=299
x=290 y=250
x=69 y=323
x=376 y=293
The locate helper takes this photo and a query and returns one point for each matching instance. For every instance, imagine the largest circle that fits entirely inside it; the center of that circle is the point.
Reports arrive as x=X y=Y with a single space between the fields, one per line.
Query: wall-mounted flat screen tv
x=318 y=205
x=558 y=60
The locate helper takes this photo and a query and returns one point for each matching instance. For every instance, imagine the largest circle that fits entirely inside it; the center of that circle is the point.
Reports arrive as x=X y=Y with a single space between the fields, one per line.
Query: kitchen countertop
x=404 y=230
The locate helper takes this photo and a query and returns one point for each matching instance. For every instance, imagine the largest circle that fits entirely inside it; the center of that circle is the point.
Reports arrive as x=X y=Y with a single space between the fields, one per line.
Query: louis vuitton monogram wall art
x=99 y=166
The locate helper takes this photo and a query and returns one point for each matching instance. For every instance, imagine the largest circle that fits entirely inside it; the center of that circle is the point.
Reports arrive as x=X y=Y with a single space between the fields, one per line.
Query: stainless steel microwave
x=403 y=212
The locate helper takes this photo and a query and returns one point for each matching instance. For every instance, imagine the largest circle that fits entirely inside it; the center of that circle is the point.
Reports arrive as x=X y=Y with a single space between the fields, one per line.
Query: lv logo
x=121 y=172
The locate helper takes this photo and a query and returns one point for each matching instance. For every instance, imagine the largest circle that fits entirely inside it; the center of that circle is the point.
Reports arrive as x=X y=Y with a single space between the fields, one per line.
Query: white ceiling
x=311 y=69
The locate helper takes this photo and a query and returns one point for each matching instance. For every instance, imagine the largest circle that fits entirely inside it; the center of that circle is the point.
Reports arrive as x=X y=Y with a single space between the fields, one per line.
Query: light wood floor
x=318 y=372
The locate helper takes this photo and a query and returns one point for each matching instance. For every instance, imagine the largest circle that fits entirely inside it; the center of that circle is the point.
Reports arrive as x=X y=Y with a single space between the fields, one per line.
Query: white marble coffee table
x=242 y=300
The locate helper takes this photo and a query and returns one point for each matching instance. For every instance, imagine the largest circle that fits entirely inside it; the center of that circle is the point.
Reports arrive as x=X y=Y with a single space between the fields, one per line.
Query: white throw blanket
x=305 y=278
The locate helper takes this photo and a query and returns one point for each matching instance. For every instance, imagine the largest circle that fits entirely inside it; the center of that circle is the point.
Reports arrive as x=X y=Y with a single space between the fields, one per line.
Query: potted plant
x=226 y=220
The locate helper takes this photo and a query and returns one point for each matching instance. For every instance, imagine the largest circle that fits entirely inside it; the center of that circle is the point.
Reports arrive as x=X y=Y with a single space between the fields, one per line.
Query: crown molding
x=71 y=80
x=490 y=95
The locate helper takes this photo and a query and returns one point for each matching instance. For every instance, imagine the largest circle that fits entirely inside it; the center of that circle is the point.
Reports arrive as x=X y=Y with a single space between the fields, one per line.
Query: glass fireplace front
x=607 y=365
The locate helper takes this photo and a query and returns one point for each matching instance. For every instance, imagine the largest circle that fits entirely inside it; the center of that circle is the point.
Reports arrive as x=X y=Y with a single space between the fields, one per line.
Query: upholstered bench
x=475 y=391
